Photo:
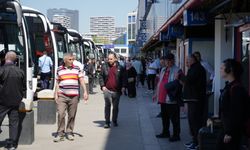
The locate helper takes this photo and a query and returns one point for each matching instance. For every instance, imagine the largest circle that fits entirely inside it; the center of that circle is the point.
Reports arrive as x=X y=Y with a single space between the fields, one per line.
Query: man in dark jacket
x=12 y=89
x=194 y=93
x=113 y=81
x=91 y=75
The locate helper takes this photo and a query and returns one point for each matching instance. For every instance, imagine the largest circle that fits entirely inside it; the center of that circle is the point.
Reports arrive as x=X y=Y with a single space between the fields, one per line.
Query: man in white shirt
x=151 y=74
x=45 y=64
x=138 y=67
x=77 y=63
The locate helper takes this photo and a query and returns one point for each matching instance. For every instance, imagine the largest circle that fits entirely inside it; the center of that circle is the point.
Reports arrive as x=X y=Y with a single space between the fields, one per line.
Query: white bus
x=14 y=37
x=41 y=39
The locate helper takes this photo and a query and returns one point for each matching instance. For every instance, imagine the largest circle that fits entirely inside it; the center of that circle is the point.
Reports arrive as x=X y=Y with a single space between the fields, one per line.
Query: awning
x=172 y=20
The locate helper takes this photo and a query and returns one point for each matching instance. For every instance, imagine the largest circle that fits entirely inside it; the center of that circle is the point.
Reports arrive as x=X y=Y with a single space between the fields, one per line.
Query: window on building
x=129 y=19
x=129 y=31
x=133 y=31
x=117 y=50
x=123 y=50
x=133 y=19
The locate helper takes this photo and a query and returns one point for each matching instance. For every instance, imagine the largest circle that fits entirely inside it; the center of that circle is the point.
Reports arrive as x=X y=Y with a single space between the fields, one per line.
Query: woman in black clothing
x=131 y=74
x=233 y=106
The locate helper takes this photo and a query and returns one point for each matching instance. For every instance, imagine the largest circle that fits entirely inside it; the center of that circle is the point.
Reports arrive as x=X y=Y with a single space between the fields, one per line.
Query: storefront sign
x=194 y=18
x=176 y=1
x=173 y=32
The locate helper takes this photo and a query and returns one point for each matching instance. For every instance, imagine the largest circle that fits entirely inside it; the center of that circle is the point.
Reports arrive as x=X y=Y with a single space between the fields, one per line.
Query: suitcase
x=207 y=138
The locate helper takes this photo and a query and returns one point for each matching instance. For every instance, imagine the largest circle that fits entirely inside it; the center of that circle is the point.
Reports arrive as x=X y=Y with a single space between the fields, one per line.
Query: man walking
x=113 y=81
x=45 y=63
x=67 y=96
x=138 y=67
x=12 y=89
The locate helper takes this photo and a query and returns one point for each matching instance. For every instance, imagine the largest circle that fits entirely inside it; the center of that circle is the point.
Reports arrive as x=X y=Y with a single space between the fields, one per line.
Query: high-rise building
x=64 y=20
x=103 y=26
x=132 y=26
x=131 y=32
x=72 y=14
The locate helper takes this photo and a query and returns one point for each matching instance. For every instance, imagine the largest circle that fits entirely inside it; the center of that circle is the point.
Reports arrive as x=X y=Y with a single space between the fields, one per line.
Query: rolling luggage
x=207 y=138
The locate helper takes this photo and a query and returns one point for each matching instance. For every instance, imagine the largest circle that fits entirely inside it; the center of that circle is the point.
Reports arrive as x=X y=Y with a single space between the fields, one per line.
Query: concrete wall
x=224 y=45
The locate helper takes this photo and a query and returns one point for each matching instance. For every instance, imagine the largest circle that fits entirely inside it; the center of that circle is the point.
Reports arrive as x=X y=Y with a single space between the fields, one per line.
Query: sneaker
x=192 y=147
x=159 y=115
x=162 y=135
x=11 y=148
x=174 y=138
x=70 y=137
x=188 y=144
x=115 y=124
x=106 y=126
x=58 y=138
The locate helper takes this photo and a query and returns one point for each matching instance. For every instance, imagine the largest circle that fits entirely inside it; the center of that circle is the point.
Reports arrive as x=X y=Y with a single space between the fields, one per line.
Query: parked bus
x=75 y=45
x=60 y=34
x=41 y=39
x=14 y=37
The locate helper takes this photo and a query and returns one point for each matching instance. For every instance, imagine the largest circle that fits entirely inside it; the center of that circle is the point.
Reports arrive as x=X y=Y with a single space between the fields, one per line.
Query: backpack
x=247 y=123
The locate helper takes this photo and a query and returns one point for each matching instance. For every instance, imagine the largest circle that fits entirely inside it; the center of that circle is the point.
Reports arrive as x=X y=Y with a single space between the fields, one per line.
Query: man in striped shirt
x=67 y=95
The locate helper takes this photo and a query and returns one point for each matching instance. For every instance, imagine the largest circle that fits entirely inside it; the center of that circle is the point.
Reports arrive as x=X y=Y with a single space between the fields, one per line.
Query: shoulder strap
x=44 y=61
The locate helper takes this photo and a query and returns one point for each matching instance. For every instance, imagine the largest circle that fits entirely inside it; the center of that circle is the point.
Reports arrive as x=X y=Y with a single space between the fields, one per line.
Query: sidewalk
x=136 y=131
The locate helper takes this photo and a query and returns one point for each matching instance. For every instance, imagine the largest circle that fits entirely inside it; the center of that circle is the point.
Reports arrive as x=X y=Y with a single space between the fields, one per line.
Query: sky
x=87 y=8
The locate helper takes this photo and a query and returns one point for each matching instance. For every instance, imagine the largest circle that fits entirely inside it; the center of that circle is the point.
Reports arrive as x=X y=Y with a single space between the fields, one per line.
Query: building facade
x=67 y=13
x=103 y=26
x=131 y=32
x=63 y=20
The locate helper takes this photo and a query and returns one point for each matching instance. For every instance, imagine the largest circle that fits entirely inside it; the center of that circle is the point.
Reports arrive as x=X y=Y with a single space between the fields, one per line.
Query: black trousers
x=195 y=119
x=45 y=78
x=151 y=81
x=170 y=112
x=142 y=79
x=91 y=84
x=114 y=98
x=131 y=89
x=13 y=122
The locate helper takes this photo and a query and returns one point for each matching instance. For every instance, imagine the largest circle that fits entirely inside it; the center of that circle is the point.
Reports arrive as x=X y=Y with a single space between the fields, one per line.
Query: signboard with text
x=173 y=32
x=194 y=18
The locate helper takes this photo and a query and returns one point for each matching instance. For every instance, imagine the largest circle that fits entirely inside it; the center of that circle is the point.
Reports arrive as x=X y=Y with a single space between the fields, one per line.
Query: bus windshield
x=12 y=39
x=61 y=46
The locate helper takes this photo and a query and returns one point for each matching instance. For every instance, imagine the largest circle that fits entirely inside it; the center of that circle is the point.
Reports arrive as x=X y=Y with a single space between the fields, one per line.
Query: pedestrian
x=168 y=95
x=12 y=89
x=210 y=84
x=77 y=63
x=91 y=75
x=45 y=64
x=67 y=96
x=233 y=106
x=113 y=81
x=151 y=74
x=143 y=74
x=138 y=67
x=194 y=94
x=131 y=74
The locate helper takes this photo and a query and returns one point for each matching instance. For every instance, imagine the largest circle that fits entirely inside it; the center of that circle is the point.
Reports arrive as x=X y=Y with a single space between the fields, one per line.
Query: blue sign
x=173 y=32
x=108 y=46
x=194 y=18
